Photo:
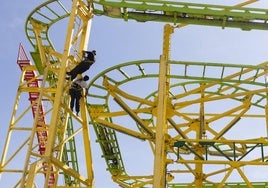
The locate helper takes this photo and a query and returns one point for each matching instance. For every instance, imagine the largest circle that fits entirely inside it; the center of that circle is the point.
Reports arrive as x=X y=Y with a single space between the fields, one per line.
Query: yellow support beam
x=160 y=153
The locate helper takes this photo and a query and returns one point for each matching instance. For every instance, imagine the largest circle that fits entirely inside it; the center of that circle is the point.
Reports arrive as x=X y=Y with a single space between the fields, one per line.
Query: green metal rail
x=143 y=11
x=246 y=79
x=187 y=13
x=46 y=15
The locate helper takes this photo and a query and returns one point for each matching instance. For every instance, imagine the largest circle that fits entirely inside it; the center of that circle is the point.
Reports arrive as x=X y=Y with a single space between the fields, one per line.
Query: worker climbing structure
x=198 y=120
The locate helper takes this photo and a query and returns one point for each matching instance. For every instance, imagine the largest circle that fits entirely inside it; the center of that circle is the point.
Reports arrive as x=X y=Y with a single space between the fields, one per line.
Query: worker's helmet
x=86 y=78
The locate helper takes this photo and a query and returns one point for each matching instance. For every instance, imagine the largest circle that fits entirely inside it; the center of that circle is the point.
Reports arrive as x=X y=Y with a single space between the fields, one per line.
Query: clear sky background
x=118 y=42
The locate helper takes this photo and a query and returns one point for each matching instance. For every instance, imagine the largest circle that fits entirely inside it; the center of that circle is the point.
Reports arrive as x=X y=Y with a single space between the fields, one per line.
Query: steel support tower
x=188 y=116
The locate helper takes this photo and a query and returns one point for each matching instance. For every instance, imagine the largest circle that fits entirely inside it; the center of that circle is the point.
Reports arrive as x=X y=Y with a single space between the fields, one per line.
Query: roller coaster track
x=38 y=24
x=218 y=87
x=246 y=81
x=45 y=16
x=186 y=13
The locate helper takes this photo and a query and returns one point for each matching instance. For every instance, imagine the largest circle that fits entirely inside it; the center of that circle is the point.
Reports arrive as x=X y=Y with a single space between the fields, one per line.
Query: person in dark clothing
x=76 y=92
x=83 y=66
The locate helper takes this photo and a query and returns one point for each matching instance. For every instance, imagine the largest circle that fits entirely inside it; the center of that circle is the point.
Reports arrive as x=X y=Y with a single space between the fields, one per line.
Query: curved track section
x=48 y=61
x=46 y=14
x=200 y=133
x=37 y=28
x=38 y=23
x=208 y=103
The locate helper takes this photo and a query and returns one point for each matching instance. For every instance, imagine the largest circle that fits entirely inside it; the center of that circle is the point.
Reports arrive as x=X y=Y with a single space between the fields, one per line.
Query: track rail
x=186 y=13
x=246 y=80
x=157 y=11
x=45 y=15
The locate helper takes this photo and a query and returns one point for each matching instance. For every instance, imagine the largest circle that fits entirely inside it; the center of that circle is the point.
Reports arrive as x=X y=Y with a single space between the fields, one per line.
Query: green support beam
x=187 y=13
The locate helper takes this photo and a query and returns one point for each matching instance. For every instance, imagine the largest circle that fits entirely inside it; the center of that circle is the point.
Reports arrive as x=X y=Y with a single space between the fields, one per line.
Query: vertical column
x=266 y=106
x=161 y=123
x=79 y=11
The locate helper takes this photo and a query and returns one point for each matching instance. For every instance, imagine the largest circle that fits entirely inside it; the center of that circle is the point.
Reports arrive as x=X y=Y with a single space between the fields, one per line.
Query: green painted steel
x=70 y=155
x=145 y=11
x=140 y=72
x=46 y=15
x=186 y=13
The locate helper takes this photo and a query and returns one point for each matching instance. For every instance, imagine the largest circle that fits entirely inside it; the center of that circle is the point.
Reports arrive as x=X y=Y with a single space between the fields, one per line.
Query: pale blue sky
x=118 y=42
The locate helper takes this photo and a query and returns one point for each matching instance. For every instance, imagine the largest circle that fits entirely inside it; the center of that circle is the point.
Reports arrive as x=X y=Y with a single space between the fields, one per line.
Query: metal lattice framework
x=205 y=122
x=193 y=95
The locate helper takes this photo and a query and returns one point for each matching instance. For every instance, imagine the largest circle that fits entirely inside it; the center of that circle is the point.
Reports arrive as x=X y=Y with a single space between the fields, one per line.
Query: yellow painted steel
x=188 y=139
x=207 y=141
x=48 y=131
x=162 y=103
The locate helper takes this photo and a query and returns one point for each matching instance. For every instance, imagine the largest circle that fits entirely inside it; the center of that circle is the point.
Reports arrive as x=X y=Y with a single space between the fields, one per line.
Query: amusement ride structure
x=199 y=120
